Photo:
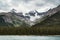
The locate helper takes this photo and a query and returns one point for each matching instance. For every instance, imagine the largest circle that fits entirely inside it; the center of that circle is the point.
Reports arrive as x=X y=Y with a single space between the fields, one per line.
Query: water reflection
x=29 y=37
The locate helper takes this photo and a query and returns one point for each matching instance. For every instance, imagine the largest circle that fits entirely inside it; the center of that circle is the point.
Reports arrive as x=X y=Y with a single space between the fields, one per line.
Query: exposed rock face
x=2 y=21
x=18 y=19
x=48 y=14
x=53 y=18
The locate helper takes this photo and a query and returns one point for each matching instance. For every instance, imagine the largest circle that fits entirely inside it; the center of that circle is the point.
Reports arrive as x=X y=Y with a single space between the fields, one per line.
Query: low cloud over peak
x=27 y=5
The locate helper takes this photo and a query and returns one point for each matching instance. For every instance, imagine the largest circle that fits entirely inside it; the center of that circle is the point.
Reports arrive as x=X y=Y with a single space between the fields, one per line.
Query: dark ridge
x=50 y=21
x=3 y=23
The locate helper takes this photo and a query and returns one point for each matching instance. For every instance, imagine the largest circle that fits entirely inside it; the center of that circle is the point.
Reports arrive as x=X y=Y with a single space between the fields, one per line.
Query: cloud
x=55 y=2
x=27 y=5
x=4 y=5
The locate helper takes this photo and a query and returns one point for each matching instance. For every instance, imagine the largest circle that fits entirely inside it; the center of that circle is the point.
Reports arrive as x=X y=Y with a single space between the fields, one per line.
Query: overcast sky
x=27 y=5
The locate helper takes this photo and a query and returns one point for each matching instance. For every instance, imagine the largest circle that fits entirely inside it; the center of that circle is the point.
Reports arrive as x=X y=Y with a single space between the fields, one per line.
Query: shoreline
x=29 y=35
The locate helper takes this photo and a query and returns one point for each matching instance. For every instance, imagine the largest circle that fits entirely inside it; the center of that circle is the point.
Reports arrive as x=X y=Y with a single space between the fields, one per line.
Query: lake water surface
x=29 y=37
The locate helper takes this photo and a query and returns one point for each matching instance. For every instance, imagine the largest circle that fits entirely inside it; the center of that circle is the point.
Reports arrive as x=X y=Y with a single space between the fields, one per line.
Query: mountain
x=32 y=13
x=51 y=20
x=19 y=19
x=13 y=19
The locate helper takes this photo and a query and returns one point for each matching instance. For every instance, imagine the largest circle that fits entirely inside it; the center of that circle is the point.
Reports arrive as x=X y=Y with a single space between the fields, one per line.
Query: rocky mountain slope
x=47 y=14
x=54 y=20
x=18 y=19
x=12 y=19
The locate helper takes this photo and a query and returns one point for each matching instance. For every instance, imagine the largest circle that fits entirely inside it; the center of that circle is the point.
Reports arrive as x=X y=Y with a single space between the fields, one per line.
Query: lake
x=29 y=37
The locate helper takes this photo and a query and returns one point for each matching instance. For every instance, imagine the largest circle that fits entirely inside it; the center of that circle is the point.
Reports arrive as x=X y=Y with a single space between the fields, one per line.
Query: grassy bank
x=55 y=30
